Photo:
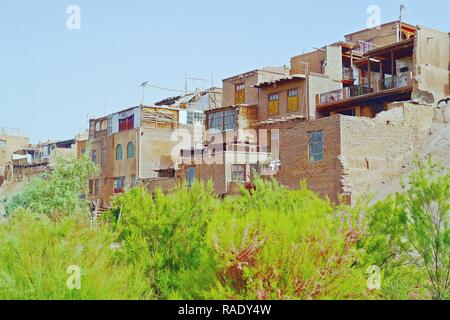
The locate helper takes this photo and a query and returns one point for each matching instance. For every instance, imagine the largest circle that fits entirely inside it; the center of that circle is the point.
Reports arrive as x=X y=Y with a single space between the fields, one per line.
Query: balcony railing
x=364 y=89
x=365 y=47
x=332 y=96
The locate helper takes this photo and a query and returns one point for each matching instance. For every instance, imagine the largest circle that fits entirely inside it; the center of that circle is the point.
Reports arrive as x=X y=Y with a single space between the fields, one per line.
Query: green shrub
x=37 y=251
x=166 y=237
x=281 y=244
x=59 y=192
x=409 y=236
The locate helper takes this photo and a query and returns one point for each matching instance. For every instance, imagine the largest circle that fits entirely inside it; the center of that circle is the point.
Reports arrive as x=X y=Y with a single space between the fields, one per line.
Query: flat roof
x=392 y=46
x=294 y=77
x=383 y=25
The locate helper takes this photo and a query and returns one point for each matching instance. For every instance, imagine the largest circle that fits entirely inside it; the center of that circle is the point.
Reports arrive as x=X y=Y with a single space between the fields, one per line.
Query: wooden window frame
x=271 y=100
x=289 y=97
x=313 y=144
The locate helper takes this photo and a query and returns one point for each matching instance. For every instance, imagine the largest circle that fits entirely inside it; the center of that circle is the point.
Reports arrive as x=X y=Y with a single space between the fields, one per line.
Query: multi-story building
x=351 y=144
x=320 y=120
x=138 y=144
x=230 y=153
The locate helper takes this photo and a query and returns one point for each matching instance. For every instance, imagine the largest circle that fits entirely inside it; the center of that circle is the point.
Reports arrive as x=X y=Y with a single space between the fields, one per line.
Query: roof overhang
x=294 y=77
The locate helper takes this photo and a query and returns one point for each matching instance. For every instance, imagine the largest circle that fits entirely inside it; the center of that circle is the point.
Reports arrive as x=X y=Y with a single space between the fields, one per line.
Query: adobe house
x=383 y=110
x=231 y=151
x=10 y=141
x=344 y=115
x=136 y=145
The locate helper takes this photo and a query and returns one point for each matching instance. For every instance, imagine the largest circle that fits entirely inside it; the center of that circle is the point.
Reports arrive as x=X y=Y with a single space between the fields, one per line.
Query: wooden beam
x=392 y=63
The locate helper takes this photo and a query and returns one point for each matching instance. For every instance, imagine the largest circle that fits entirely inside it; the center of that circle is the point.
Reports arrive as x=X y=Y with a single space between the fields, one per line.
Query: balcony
x=378 y=86
x=364 y=47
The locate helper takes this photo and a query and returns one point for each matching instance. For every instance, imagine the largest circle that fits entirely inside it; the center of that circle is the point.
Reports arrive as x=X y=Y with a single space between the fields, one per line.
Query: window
x=223 y=120
x=195 y=118
x=119 y=152
x=238 y=173
x=91 y=187
x=126 y=124
x=104 y=125
x=130 y=151
x=292 y=100
x=190 y=176
x=316 y=146
x=274 y=104
x=119 y=184
x=103 y=157
x=97 y=187
x=133 y=181
x=94 y=156
x=239 y=93
x=2 y=143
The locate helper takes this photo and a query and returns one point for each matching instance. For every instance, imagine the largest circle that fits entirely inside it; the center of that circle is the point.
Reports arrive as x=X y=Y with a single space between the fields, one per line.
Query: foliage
x=409 y=235
x=267 y=243
x=166 y=237
x=59 y=192
x=273 y=243
x=282 y=244
x=36 y=252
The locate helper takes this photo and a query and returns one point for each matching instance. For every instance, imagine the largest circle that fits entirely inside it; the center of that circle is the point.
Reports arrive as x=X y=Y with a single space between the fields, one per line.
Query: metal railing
x=332 y=96
x=390 y=83
x=365 y=47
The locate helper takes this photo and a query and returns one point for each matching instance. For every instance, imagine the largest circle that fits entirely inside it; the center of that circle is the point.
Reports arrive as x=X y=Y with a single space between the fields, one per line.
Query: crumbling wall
x=431 y=61
x=375 y=151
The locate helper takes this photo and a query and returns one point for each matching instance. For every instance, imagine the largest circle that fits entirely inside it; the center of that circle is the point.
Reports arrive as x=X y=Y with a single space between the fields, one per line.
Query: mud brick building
x=342 y=117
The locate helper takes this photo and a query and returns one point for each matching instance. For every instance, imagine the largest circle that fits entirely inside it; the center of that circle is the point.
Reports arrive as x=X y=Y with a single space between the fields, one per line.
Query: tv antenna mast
x=399 y=34
x=143 y=85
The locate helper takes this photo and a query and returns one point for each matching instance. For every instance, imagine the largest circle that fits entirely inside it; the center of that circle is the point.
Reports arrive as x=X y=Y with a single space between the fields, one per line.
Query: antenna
x=195 y=79
x=399 y=35
x=143 y=85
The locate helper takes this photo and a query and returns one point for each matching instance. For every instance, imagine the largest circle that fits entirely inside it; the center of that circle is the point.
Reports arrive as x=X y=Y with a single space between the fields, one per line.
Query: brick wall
x=323 y=176
x=282 y=91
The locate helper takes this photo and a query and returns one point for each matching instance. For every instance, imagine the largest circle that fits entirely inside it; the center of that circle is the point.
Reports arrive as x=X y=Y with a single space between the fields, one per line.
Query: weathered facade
x=10 y=141
x=344 y=115
x=140 y=144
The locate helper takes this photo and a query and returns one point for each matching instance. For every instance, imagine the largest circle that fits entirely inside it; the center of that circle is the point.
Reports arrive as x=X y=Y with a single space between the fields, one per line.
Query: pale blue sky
x=51 y=78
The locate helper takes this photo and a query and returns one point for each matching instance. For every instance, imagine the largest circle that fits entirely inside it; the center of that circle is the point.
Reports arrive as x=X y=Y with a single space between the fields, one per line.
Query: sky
x=53 y=78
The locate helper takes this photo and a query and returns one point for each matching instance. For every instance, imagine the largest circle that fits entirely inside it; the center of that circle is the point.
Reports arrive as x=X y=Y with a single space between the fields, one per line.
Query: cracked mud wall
x=431 y=65
x=376 y=151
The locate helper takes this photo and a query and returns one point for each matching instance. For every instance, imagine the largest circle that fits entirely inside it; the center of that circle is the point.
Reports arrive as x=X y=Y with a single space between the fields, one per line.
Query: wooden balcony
x=377 y=88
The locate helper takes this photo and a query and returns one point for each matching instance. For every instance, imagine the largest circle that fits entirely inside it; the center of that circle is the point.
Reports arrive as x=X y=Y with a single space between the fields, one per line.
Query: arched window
x=130 y=151
x=119 y=152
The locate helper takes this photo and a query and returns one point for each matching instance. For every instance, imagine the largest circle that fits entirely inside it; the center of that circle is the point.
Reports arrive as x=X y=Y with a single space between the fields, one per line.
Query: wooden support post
x=369 y=76
x=392 y=63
